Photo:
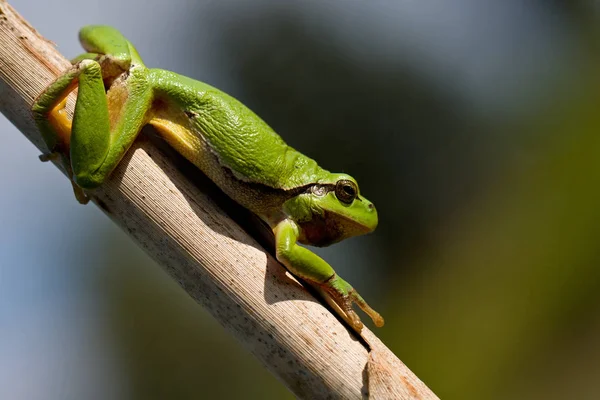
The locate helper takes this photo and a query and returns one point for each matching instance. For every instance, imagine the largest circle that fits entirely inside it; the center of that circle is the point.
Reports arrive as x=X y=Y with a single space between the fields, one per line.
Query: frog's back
x=240 y=140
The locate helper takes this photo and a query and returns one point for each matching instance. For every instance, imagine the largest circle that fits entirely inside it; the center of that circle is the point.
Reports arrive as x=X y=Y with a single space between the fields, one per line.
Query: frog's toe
x=375 y=316
x=53 y=155
x=353 y=318
x=81 y=196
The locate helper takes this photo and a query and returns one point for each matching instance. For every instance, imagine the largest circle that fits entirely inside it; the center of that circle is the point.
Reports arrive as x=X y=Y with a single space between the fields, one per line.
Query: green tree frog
x=118 y=95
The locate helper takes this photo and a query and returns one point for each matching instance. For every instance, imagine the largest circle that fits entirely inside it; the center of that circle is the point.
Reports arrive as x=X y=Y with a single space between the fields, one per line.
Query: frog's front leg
x=312 y=268
x=92 y=144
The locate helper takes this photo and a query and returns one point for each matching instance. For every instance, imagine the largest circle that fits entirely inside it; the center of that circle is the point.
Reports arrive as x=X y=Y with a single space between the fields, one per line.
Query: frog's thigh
x=104 y=125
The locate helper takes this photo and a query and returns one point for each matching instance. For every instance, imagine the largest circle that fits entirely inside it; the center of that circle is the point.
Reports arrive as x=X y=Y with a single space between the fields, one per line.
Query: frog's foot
x=81 y=196
x=344 y=295
x=53 y=155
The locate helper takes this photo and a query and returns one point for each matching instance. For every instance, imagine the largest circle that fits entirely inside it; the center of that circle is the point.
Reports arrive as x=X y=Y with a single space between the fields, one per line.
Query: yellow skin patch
x=175 y=128
x=61 y=123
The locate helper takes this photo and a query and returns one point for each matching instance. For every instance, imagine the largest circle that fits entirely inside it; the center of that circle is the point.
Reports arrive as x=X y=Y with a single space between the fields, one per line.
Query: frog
x=117 y=95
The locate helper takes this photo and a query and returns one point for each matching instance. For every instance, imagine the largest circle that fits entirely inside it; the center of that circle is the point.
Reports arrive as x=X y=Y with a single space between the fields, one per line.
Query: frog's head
x=332 y=210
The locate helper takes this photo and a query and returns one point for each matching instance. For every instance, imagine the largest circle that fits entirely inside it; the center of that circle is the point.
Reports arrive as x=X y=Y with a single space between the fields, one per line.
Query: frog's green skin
x=300 y=201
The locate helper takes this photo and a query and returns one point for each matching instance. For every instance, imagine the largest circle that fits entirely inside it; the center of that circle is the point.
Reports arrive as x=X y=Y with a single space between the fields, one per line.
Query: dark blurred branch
x=215 y=261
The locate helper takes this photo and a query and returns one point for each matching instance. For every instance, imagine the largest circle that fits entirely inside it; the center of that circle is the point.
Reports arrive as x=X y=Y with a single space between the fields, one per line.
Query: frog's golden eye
x=346 y=191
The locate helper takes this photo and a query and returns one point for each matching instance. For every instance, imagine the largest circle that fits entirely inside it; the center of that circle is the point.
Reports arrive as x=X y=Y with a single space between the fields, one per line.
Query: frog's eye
x=346 y=191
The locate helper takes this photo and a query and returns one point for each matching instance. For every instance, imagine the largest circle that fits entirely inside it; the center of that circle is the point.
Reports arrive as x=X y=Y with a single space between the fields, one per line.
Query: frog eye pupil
x=346 y=191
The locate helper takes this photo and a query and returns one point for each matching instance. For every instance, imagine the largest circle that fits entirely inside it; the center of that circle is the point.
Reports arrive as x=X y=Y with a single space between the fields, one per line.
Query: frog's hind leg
x=103 y=126
x=106 y=46
x=108 y=42
x=54 y=125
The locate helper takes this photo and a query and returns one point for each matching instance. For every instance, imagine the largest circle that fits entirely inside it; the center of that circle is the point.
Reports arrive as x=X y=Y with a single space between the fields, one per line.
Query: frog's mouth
x=329 y=228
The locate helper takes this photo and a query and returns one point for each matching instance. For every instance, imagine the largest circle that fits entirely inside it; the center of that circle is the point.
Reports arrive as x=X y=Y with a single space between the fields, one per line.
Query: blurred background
x=472 y=125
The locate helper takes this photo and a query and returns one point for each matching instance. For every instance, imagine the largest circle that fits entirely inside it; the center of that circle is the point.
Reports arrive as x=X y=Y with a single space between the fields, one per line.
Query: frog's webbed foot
x=343 y=296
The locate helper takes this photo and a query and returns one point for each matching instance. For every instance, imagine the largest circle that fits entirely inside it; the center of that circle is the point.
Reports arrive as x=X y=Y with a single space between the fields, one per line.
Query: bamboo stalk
x=212 y=258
